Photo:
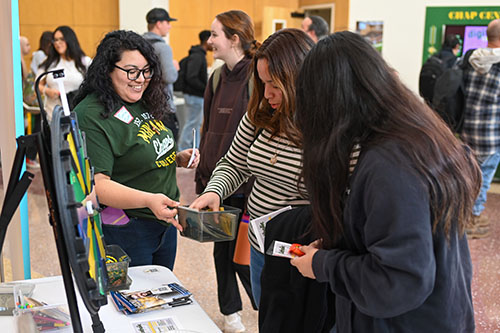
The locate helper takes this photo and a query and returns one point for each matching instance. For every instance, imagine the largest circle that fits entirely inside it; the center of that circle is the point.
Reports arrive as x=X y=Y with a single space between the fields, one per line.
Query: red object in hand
x=294 y=250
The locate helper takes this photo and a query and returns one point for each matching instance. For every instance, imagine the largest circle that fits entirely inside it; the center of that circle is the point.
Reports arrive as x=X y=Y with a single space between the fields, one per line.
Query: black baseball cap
x=158 y=14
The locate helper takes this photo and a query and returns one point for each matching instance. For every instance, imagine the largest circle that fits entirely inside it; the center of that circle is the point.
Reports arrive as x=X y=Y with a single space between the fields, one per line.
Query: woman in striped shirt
x=267 y=143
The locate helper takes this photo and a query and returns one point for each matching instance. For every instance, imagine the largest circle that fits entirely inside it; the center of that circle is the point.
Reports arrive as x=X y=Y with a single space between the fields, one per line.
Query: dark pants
x=31 y=152
x=145 y=241
x=226 y=270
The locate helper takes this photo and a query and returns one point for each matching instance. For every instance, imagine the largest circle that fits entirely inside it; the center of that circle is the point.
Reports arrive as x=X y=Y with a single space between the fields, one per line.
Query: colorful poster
x=372 y=31
x=442 y=20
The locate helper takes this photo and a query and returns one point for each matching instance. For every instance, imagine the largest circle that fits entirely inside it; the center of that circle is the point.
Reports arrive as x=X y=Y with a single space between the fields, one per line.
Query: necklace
x=274 y=159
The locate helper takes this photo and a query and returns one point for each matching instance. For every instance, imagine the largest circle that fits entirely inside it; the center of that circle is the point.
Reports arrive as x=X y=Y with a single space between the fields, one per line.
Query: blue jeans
x=192 y=116
x=488 y=166
x=146 y=242
x=256 y=266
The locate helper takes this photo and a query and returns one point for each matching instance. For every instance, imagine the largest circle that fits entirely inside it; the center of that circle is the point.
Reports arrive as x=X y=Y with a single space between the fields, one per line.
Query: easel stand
x=16 y=189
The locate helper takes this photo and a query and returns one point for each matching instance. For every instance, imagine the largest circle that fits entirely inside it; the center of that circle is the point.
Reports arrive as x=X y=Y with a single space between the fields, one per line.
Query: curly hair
x=73 y=50
x=109 y=52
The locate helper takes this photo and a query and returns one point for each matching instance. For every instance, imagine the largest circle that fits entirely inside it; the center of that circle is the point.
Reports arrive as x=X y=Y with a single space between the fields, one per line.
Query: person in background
x=450 y=49
x=158 y=27
x=390 y=222
x=29 y=98
x=120 y=105
x=43 y=49
x=195 y=82
x=267 y=143
x=315 y=26
x=481 y=130
x=25 y=50
x=65 y=53
x=225 y=102
x=436 y=65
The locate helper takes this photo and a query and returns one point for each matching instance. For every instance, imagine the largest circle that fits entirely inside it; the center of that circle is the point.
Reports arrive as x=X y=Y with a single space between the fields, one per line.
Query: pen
x=20 y=299
x=44 y=318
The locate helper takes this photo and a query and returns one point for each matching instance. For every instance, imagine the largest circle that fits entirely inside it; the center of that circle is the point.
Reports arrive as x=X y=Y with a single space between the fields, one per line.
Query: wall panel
x=91 y=20
x=195 y=16
x=341 y=20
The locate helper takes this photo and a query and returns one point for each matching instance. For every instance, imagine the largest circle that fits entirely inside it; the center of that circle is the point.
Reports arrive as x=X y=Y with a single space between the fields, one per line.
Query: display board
x=437 y=19
x=78 y=209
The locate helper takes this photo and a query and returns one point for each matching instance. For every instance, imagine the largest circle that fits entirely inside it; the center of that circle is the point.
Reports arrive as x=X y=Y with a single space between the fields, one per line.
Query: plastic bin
x=117 y=262
x=32 y=315
x=208 y=226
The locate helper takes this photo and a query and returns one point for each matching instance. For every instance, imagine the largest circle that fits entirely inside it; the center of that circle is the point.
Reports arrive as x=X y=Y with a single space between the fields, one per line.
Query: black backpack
x=433 y=68
x=449 y=94
x=180 y=84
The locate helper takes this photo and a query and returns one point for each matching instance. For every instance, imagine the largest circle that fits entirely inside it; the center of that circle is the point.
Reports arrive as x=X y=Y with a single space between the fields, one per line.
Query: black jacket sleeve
x=194 y=76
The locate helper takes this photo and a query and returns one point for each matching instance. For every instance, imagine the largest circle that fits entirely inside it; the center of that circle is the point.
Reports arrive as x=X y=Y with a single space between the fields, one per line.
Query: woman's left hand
x=184 y=156
x=304 y=263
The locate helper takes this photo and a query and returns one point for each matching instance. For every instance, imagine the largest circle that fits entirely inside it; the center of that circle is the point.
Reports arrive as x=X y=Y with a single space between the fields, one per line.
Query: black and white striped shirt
x=276 y=184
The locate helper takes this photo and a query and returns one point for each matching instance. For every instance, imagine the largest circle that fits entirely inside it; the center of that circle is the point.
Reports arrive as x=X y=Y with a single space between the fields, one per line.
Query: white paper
x=259 y=225
x=281 y=249
x=191 y=159
x=168 y=324
x=62 y=95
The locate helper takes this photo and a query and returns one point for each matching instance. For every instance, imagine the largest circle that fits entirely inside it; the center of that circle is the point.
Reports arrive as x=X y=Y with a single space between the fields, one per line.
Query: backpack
x=449 y=94
x=433 y=68
x=180 y=84
x=29 y=95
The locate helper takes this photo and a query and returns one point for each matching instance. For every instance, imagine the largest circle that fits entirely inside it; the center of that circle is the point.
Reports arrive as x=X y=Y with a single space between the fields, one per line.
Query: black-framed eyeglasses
x=134 y=73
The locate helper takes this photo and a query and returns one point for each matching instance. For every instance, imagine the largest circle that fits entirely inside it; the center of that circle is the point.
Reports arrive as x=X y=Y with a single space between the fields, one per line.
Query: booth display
x=469 y=23
x=68 y=181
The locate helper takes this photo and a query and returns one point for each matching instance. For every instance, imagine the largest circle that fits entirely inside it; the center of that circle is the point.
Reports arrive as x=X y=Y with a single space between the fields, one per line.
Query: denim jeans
x=256 y=266
x=192 y=117
x=488 y=166
x=146 y=242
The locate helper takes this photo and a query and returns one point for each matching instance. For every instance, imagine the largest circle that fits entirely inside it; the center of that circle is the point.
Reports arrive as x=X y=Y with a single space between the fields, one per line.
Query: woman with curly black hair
x=121 y=102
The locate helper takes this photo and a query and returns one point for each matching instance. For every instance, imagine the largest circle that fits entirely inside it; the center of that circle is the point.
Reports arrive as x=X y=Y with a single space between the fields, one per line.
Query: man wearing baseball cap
x=158 y=27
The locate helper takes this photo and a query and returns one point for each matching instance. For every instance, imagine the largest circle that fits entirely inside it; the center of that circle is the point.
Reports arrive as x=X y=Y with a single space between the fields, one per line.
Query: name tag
x=124 y=115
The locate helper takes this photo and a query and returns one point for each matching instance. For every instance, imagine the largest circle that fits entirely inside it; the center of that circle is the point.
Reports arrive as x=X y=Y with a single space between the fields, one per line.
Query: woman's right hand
x=164 y=208
x=209 y=199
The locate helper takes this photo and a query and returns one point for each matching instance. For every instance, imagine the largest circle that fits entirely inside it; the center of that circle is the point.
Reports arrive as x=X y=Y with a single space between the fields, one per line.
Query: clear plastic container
x=117 y=262
x=45 y=318
x=208 y=226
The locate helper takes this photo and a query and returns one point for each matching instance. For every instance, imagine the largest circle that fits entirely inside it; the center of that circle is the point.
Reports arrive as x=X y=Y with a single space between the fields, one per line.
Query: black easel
x=17 y=188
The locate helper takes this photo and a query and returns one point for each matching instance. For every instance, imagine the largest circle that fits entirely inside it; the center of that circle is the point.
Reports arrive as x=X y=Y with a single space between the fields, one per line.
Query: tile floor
x=194 y=264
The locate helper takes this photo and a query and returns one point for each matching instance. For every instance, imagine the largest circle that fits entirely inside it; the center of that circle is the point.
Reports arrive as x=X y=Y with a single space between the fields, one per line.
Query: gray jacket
x=164 y=53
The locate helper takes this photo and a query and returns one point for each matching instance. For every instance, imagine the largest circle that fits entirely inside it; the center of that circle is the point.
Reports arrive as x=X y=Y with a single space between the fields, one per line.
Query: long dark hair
x=284 y=51
x=347 y=94
x=109 y=52
x=237 y=22
x=73 y=50
x=45 y=42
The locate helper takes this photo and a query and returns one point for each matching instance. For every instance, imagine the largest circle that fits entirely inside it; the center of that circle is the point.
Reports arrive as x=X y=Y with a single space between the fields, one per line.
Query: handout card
x=259 y=225
x=168 y=324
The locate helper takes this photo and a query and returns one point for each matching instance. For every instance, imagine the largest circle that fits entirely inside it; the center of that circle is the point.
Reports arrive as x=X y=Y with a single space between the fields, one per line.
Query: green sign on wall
x=437 y=18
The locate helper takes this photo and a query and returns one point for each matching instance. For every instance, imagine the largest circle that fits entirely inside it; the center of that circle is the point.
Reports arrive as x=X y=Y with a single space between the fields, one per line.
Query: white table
x=191 y=317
